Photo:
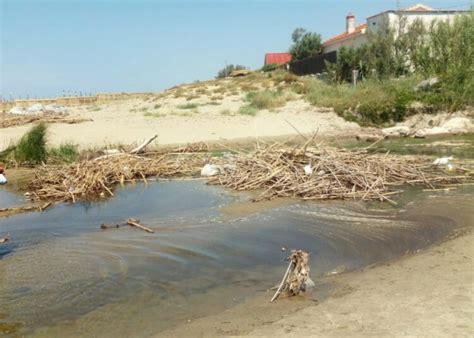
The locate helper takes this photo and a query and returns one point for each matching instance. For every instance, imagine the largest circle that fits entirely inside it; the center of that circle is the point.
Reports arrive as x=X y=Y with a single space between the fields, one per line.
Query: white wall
x=427 y=18
x=352 y=42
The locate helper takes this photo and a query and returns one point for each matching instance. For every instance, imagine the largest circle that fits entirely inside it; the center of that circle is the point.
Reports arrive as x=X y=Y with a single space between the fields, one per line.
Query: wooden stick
x=140 y=148
x=134 y=222
x=283 y=282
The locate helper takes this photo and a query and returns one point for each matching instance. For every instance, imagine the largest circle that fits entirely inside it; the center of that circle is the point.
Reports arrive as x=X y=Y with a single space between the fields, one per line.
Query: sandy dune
x=131 y=121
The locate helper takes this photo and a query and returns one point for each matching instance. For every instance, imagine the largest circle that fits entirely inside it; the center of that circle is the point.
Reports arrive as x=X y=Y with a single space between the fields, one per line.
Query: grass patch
x=248 y=110
x=372 y=102
x=32 y=146
x=187 y=106
x=157 y=106
x=66 y=152
x=266 y=99
x=202 y=91
x=95 y=108
x=152 y=114
x=192 y=97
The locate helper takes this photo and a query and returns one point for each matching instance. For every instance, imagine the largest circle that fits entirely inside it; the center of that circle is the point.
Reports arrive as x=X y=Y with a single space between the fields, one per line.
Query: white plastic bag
x=3 y=179
x=210 y=170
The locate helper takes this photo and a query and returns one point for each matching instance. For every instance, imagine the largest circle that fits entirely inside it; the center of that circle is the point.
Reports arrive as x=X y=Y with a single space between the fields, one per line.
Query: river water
x=61 y=275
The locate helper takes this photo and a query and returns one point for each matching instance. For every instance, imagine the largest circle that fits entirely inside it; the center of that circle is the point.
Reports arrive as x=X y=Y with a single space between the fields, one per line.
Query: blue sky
x=144 y=45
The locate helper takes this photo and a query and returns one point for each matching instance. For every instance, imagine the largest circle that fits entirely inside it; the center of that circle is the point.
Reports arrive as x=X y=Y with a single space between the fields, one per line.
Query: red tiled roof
x=278 y=58
x=342 y=36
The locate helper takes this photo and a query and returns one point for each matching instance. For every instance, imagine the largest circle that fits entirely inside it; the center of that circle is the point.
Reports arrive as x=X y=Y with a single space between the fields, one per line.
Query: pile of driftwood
x=12 y=120
x=309 y=173
x=330 y=173
x=97 y=177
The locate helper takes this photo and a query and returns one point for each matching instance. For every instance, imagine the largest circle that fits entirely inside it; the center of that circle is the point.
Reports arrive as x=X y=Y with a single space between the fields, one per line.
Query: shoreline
x=427 y=293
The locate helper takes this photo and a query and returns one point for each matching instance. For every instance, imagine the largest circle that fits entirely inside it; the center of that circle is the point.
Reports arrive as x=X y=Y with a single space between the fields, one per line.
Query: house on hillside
x=277 y=58
x=356 y=35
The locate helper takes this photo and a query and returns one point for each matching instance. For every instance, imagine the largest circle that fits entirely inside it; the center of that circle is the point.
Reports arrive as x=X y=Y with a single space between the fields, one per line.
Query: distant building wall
x=374 y=22
x=351 y=42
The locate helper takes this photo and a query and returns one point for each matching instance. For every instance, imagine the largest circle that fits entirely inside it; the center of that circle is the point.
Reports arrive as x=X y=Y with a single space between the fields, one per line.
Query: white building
x=355 y=36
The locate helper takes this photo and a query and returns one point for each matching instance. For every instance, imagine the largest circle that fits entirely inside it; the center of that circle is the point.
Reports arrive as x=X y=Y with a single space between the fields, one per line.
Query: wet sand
x=429 y=293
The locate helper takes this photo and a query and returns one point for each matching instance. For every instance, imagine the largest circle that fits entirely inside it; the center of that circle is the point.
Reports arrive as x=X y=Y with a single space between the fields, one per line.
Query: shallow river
x=61 y=275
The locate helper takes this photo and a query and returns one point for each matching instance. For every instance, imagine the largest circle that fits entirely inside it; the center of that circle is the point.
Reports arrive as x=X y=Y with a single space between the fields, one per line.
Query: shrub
x=371 y=102
x=248 y=110
x=187 y=106
x=66 y=152
x=227 y=70
x=269 y=67
x=265 y=99
x=32 y=146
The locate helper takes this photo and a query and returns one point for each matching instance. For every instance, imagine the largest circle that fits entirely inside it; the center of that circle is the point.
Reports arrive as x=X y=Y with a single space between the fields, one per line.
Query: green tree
x=305 y=44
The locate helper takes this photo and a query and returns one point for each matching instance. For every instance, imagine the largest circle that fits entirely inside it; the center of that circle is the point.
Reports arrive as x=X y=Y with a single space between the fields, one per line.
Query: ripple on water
x=67 y=276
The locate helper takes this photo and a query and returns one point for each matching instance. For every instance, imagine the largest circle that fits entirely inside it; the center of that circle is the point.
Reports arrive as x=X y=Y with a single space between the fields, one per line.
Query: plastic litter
x=17 y=111
x=443 y=160
x=3 y=179
x=55 y=108
x=35 y=108
x=209 y=170
x=308 y=170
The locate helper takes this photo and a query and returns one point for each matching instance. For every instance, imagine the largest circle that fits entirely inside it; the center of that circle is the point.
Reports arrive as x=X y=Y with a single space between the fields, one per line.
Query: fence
x=312 y=65
x=73 y=100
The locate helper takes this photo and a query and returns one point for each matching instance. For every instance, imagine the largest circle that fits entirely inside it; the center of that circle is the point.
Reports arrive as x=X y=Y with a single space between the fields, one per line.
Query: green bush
x=248 y=110
x=372 y=102
x=32 y=146
x=224 y=72
x=187 y=106
x=444 y=50
x=265 y=99
x=269 y=67
x=66 y=152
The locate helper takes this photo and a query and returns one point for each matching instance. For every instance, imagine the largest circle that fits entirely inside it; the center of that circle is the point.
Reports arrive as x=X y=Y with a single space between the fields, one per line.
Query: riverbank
x=426 y=294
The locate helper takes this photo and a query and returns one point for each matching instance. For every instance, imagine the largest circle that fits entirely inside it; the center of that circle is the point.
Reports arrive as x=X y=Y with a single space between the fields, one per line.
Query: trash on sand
x=17 y=111
x=55 y=108
x=3 y=179
x=5 y=239
x=35 y=108
x=308 y=170
x=296 y=279
x=209 y=170
x=443 y=160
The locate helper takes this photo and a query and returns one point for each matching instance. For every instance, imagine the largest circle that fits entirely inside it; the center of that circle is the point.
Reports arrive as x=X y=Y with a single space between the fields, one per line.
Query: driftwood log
x=131 y=222
x=296 y=276
x=27 y=208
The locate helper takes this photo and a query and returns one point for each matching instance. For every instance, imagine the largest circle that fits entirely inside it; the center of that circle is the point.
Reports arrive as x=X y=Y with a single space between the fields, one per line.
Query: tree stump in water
x=296 y=276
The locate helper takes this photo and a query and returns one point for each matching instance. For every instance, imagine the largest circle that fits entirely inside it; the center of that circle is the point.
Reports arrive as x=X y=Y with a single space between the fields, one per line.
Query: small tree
x=227 y=70
x=305 y=44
